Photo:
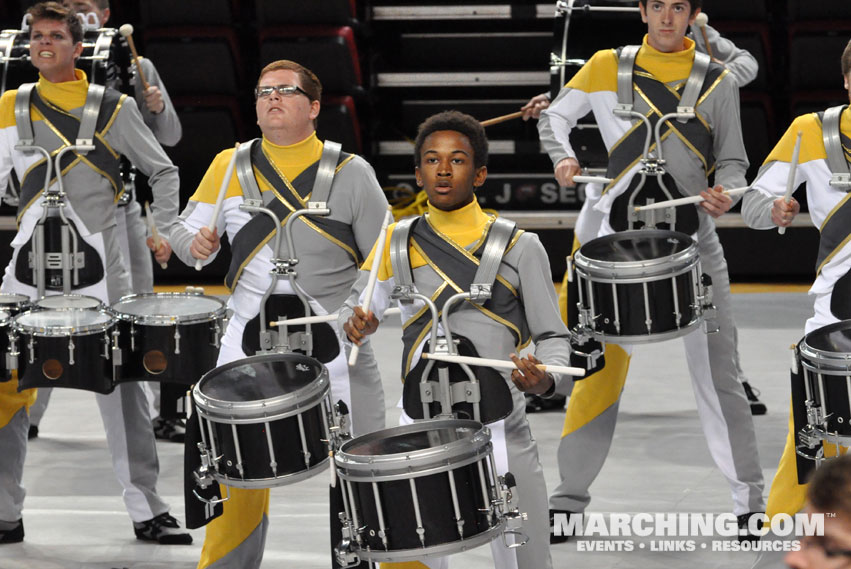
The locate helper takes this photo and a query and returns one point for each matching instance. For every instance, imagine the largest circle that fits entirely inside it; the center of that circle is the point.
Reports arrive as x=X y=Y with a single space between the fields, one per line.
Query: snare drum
x=420 y=490
x=14 y=303
x=825 y=358
x=639 y=286
x=64 y=348
x=171 y=337
x=265 y=420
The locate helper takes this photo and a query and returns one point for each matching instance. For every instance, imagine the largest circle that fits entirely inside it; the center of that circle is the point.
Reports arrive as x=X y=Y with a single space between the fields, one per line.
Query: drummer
x=160 y=116
x=330 y=249
x=666 y=56
x=451 y=153
x=55 y=39
x=766 y=208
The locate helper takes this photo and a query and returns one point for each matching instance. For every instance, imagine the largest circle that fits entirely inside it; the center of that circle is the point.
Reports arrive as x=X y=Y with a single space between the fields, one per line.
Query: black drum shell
x=5 y=372
x=436 y=509
x=197 y=353
x=91 y=370
x=254 y=448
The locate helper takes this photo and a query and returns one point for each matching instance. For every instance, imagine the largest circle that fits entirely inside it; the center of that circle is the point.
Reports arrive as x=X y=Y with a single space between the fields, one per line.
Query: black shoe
x=163 y=529
x=173 y=430
x=564 y=518
x=536 y=404
x=743 y=525
x=14 y=535
x=33 y=432
x=757 y=406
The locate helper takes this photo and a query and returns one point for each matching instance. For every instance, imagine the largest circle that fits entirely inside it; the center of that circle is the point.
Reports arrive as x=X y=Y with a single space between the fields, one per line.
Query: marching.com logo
x=602 y=532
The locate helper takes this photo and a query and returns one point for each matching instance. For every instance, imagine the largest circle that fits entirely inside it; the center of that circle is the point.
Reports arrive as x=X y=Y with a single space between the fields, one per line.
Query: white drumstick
x=701 y=20
x=688 y=200
x=319 y=319
x=373 y=276
x=500 y=364
x=220 y=199
x=154 y=233
x=790 y=179
x=592 y=180
x=126 y=30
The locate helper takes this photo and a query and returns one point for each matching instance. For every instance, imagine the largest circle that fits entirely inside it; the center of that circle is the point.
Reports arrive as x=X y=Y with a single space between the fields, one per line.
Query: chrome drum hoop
x=217 y=310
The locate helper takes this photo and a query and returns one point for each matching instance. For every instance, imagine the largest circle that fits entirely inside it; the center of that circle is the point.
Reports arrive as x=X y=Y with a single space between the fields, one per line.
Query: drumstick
x=691 y=199
x=220 y=199
x=373 y=276
x=319 y=319
x=500 y=364
x=701 y=20
x=126 y=30
x=790 y=179
x=503 y=118
x=154 y=233
x=592 y=180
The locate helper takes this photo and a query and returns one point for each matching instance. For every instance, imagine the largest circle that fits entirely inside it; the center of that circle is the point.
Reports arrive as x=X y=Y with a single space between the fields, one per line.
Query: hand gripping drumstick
x=154 y=233
x=790 y=180
x=503 y=118
x=126 y=30
x=219 y=199
x=373 y=276
x=701 y=21
x=500 y=364
x=690 y=199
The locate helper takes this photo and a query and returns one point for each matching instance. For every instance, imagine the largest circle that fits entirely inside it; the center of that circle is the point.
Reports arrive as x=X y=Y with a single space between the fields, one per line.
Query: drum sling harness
x=54 y=258
x=638 y=144
x=316 y=340
x=483 y=394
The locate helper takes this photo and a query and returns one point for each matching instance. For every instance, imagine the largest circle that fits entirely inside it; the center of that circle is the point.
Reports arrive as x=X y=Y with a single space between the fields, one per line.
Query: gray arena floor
x=659 y=462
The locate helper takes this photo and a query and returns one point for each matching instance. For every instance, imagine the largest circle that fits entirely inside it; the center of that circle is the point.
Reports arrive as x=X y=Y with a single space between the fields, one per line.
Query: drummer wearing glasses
x=283 y=170
x=708 y=143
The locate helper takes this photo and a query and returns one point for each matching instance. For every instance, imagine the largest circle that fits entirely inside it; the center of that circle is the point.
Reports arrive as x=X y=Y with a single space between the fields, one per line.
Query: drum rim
x=161 y=320
x=441 y=549
x=283 y=480
x=683 y=261
x=35 y=304
x=839 y=363
x=261 y=410
x=62 y=331
x=414 y=464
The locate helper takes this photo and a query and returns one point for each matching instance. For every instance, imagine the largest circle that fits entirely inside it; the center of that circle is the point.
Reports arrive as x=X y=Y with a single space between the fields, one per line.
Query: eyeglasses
x=283 y=91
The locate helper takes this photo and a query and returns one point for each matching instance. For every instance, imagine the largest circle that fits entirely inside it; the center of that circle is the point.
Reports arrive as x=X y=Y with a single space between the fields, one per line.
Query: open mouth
x=46 y=54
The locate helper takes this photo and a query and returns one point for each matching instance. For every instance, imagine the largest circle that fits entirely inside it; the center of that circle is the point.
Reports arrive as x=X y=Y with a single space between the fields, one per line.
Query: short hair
x=459 y=122
x=846 y=60
x=695 y=4
x=59 y=13
x=309 y=81
x=102 y=4
x=830 y=487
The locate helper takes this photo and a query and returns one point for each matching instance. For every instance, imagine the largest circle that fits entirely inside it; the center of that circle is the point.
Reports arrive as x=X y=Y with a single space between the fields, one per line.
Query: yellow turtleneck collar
x=66 y=95
x=464 y=225
x=666 y=67
x=294 y=159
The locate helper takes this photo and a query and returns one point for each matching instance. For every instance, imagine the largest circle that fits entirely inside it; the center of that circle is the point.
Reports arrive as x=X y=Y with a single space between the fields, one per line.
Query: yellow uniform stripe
x=243 y=513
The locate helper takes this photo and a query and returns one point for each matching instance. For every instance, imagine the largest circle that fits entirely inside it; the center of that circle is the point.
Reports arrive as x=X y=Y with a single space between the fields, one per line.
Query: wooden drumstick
x=701 y=21
x=790 y=179
x=373 y=276
x=500 y=364
x=690 y=199
x=592 y=180
x=126 y=30
x=220 y=199
x=154 y=233
x=503 y=118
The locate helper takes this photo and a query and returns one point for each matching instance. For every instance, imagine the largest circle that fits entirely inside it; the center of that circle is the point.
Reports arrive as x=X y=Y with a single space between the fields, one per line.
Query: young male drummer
x=445 y=246
x=160 y=116
x=823 y=165
x=709 y=143
x=284 y=164
x=92 y=184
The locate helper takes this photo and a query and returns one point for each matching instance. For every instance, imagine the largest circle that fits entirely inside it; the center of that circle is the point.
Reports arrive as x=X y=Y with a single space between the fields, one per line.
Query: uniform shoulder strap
x=840 y=174
x=325 y=173
x=22 y=115
x=694 y=84
x=400 y=259
x=89 y=120
x=245 y=170
x=626 y=63
x=498 y=238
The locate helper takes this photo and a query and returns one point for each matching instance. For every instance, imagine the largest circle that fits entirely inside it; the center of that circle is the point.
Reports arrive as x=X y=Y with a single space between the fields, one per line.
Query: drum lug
x=217 y=334
x=132 y=336
x=176 y=339
x=31 y=350
x=71 y=347
x=346 y=552
x=116 y=350
x=12 y=354
x=710 y=314
x=815 y=415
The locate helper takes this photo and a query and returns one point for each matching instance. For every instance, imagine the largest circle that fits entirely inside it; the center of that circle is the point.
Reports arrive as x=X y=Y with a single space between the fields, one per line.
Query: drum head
x=412 y=441
x=4 y=317
x=14 y=302
x=834 y=338
x=73 y=301
x=62 y=322
x=165 y=308
x=643 y=245
x=265 y=384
